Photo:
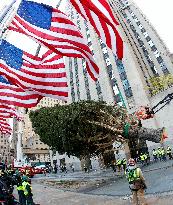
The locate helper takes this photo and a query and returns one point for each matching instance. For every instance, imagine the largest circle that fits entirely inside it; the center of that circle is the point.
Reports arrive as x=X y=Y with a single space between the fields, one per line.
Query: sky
x=158 y=12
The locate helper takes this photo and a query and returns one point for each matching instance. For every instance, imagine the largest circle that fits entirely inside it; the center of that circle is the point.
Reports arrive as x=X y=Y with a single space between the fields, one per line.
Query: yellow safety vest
x=119 y=162
x=145 y=156
x=142 y=157
x=20 y=188
x=133 y=175
x=159 y=152
x=24 y=184
x=162 y=152
x=124 y=162
x=168 y=150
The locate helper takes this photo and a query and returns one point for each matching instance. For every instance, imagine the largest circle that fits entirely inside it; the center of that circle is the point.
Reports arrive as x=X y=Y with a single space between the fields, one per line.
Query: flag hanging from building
x=8 y=111
x=55 y=30
x=5 y=127
x=99 y=14
x=45 y=79
x=13 y=95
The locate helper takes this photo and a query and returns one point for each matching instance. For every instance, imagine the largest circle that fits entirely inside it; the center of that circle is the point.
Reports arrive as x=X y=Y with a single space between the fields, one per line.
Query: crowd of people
x=8 y=179
x=159 y=154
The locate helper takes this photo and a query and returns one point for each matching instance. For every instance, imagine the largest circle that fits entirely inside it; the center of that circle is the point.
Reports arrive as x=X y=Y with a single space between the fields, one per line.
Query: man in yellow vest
x=159 y=153
x=155 y=155
x=119 y=165
x=22 y=199
x=142 y=158
x=163 y=154
x=169 y=152
x=124 y=164
x=27 y=191
x=136 y=183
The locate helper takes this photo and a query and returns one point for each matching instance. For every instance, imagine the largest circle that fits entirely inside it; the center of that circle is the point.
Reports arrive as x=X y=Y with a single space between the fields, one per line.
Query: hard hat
x=131 y=162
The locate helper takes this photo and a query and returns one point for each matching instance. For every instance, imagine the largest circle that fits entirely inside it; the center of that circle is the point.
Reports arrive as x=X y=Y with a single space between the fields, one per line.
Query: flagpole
x=58 y=5
x=3 y=22
x=6 y=10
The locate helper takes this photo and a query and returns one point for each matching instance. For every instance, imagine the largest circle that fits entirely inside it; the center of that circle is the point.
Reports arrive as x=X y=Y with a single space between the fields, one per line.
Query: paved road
x=50 y=196
x=115 y=192
x=158 y=181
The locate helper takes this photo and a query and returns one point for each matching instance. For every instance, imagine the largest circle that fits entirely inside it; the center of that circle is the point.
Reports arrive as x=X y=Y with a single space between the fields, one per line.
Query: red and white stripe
x=13 y=95
x=63 y=38
x=5 y=124
x=5 y=127
x=100 y=16
x=8 y=111
x=5 y=131
x=47 y=79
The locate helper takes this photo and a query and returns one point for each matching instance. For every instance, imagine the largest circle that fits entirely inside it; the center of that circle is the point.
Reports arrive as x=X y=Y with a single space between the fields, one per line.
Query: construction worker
x=119 y=165
x=27 y=191
x=145 y=158
x=155 y=155
x=142 y=158
x=124 y=164
x=22 y=199
x=163 y=154
x=169 y=152
x=159 y=153
x=136 y=183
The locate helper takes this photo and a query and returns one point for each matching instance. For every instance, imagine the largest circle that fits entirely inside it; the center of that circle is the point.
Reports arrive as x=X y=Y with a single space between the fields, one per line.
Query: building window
x=77 y=77
x=148 y=38
x=71 y=80
x=97 y=83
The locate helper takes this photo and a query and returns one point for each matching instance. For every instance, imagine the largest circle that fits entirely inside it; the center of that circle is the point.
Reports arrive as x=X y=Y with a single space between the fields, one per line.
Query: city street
x=115 y=190
x=45 y=195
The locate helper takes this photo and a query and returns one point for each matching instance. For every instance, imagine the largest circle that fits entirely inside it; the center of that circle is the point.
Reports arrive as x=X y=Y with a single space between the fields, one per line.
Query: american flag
x=8 y=111
x=13 y=95
x=5 y=128
x=100 y=16
x=55 y=30
x=47 y=79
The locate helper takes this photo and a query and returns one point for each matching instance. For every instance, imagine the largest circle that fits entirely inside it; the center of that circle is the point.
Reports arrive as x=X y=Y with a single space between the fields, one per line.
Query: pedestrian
x=163 y=154
x=136 y=183
x=85 y=168
x=22 y=199
x=55 y=169
x=142 y=158
x=159 y=153
x=155 y=155
x=147 y=158
x=27 y=191
x=113 y=165
x=119 y=165
x=169 y=152
x=124 y=164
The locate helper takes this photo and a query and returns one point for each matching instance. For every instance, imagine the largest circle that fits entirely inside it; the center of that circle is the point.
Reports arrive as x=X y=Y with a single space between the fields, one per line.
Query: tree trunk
x=85 y=162
x=149 y=134
x=108 y=158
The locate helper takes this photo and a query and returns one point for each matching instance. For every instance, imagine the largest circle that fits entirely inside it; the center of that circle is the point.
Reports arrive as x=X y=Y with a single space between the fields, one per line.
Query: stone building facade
x=124 y=82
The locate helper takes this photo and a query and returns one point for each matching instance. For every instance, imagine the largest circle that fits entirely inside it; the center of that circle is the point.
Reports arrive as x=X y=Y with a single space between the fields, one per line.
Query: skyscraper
x=124 y=82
